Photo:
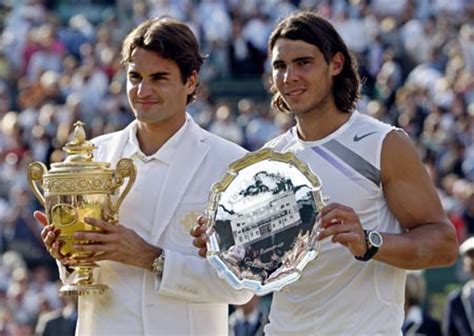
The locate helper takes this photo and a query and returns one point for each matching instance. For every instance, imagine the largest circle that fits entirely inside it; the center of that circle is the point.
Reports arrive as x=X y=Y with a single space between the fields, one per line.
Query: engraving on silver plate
x=262 y=218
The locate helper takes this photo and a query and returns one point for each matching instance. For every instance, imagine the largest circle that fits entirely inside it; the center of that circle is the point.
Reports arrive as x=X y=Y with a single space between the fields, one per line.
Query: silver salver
x=262 y=221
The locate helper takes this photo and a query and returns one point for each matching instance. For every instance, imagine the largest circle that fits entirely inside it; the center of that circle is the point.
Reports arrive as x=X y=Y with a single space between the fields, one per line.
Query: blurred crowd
x=416 y=58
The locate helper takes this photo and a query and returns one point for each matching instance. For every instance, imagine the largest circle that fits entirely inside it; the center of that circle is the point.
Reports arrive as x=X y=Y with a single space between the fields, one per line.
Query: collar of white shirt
x=165 y=153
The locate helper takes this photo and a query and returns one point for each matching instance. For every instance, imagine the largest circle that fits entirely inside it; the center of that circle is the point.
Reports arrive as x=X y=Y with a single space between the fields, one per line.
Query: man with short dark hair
x=157 y=286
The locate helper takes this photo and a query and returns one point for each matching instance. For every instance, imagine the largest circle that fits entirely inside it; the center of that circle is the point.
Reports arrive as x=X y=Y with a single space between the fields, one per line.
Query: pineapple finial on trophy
x=78 y=148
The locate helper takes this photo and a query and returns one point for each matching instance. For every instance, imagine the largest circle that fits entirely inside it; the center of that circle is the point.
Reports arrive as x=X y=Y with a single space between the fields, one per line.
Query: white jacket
x=190 y=299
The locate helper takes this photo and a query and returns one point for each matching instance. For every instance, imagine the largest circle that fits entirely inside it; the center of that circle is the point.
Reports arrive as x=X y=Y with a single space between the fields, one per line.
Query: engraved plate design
x=262 y=217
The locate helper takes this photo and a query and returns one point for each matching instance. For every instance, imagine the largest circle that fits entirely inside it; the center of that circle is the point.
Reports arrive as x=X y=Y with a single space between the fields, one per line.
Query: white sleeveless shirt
x=337 y=294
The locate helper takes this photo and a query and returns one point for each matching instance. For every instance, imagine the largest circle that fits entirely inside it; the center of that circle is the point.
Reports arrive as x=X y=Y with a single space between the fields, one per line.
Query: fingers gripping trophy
x=77 y=188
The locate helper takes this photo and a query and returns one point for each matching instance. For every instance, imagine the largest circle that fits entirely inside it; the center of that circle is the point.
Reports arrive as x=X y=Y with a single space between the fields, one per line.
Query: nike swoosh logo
x=360 y=137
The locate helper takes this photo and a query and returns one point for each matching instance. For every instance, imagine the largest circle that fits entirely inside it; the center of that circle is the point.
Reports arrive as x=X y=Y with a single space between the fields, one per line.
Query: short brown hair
x=313 y=29
x=169 y=38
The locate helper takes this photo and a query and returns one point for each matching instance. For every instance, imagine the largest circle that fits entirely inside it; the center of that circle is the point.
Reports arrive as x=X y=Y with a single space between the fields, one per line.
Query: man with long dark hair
x=384 y=216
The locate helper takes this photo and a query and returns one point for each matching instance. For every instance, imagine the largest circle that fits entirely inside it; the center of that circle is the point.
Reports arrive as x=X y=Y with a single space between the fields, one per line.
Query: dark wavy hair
x=169 y=38
x=313 y=29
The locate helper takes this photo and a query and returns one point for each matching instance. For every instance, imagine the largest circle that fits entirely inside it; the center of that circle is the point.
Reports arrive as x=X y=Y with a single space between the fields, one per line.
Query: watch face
x=375 y=239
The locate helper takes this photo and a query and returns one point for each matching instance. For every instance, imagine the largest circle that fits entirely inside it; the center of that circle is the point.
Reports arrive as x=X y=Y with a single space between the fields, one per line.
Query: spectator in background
x=256 y=31
x=243 y=54
x=90 y=83
x=23 y=17
x=78 y=32
x=262 y=128
x=61 y=321
x=49 y=53
x=417 y=321
x=225 y=126
x=458 y=319
x=468 y=212
x=248 y=319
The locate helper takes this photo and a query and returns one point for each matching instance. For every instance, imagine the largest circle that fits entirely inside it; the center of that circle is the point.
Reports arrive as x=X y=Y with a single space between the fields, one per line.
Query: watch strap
x=371 y=250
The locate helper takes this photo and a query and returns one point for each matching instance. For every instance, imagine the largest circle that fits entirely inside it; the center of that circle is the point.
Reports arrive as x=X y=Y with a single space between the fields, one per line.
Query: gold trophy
x=76 y=188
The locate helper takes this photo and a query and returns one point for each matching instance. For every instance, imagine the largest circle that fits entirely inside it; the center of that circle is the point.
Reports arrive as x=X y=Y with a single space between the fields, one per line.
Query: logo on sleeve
x=358 y=137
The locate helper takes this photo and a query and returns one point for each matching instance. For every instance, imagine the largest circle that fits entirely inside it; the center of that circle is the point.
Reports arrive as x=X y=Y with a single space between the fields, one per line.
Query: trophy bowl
x=262 y=221
x=76 y=188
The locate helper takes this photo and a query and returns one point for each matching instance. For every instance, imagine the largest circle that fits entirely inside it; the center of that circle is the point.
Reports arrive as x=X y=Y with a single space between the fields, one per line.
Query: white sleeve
x=193 y=278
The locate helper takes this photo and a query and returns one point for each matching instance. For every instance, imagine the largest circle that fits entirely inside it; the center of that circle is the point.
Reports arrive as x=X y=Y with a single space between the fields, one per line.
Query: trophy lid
x=80 y=155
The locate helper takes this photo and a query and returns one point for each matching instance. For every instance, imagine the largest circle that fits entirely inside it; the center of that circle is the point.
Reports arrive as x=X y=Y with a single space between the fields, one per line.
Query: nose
x=289 y=75
x=144 y=89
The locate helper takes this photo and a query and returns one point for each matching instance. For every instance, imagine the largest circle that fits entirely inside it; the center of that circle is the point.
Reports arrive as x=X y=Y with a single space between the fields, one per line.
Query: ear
x=269 y=81
x=337 y=63
x=191 y=82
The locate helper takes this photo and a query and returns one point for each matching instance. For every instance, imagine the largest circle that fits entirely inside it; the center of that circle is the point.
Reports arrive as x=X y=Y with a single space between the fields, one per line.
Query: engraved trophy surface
x=262 y=221
x=76 y=188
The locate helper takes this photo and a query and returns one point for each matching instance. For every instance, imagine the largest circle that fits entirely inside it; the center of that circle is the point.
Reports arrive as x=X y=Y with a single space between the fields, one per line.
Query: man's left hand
x=115 y=242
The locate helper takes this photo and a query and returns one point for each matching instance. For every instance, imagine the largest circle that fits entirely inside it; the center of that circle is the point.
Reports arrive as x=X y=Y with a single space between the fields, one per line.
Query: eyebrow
x=303 y=58
x=277 y=62
x=294 y=60
x=158 y=74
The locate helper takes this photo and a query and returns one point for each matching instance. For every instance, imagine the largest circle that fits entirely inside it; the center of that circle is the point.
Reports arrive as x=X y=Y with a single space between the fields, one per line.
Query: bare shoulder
x=399 y=156
x=407 y=186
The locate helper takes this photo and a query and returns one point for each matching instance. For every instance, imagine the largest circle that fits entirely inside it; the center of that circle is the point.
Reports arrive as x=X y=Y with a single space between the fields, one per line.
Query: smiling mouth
x=146 y=102
x=294 y=93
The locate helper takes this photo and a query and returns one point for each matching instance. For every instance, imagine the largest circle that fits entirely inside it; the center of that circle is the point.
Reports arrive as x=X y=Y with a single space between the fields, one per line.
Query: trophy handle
x=125 y=168
x=319 y=200
x=36 y=170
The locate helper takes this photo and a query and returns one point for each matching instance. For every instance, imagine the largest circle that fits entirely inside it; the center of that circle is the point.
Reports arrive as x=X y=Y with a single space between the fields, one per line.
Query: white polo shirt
x=144 y=195
x=137 y=212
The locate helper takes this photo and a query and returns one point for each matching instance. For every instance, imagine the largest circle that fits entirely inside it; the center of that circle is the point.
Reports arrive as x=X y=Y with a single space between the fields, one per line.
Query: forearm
x=426 y=246
x=147 y=255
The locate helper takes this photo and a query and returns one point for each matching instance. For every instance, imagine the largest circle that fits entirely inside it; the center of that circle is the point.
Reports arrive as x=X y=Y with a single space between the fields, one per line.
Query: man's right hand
x=49 y=235
x=200 y=237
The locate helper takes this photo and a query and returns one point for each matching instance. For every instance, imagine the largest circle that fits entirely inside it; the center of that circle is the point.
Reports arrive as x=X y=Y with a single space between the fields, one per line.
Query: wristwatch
x=374 y=240
x=158 y=264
